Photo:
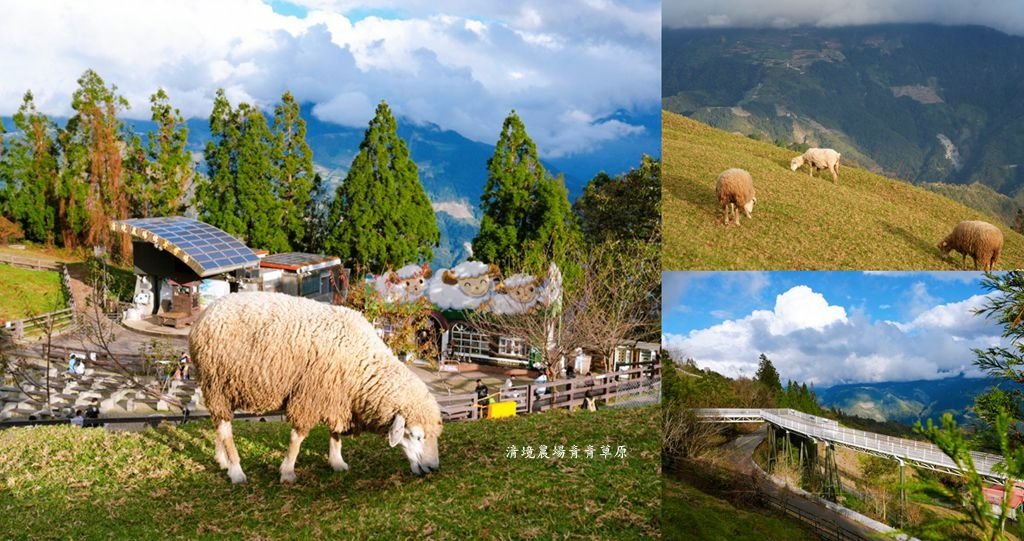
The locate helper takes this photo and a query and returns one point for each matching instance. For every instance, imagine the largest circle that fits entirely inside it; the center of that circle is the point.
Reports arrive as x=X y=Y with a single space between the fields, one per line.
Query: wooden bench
x=176 y=319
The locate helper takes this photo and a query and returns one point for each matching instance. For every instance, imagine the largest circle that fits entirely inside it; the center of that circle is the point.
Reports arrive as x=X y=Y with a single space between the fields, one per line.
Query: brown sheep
x=326 y=364
x=735 y=189
x=980 y=240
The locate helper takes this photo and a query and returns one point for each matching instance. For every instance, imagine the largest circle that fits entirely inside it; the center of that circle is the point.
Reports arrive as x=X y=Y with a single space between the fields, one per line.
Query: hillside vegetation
x=920 y=102
x=864 y=222
x=64 y=482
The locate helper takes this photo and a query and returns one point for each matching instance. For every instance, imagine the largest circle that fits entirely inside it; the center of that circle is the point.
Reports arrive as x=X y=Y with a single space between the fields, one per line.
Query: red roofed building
x=994 y=496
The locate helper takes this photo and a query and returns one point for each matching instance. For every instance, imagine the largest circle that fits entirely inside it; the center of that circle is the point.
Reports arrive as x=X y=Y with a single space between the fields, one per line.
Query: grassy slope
x=864 y=222
x=65 y=482
x=688 y=513
x=24 y=292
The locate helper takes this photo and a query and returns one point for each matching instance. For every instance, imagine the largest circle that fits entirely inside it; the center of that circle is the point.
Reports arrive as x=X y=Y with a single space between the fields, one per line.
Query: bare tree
x=608 y=298
x=684 y=435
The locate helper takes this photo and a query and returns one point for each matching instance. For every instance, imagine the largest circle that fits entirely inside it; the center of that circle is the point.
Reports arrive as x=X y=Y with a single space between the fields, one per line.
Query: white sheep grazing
x=265 y=352
x=980 y=240
x=735 y=189
x=818 y=158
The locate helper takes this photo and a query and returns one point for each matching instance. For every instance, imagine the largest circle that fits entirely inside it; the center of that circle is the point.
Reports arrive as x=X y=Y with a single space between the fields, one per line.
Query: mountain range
x=924 y=103
x=907 y=402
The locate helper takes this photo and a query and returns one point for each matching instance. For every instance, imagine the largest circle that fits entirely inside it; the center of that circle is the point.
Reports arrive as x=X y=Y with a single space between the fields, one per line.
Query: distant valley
x=924 y=103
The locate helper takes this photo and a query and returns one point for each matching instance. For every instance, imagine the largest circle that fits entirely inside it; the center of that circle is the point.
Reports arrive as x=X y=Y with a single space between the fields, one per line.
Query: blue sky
x=828 y=327
x=582 y=74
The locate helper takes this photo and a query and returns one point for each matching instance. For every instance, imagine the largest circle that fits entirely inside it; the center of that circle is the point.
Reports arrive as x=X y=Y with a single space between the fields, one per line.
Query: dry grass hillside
x=864 y=222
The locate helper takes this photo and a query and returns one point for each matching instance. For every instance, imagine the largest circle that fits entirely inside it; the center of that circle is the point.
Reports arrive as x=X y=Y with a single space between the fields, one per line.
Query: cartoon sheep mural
x=468 y=285
x=980 y=240
x=407 y=284
x=320 y=364
x=517 y=294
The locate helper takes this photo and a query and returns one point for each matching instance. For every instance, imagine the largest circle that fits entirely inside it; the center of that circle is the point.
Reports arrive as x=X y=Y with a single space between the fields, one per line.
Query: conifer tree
x=768 y=376
x=258 y=204
x=169 y=171
x=93 y=176
x=217 y=194
x=381 y=216
x=526 y=213
x=31 y=173
x=317 y=210
x=293 y=161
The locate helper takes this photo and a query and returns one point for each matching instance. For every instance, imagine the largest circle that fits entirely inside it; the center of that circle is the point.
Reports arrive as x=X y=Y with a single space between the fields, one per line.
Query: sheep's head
x=472 y=286
x=945 y=247
x=521 y=288
x=795 y=163
x=419 y=442
x=749 y=207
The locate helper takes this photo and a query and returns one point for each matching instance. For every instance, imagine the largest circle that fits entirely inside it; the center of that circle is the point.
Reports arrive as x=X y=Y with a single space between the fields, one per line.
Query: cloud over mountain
x=568 y=69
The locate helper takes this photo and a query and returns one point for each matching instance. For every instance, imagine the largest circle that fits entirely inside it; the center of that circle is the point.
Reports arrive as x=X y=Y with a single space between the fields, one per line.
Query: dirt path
x=742 y=450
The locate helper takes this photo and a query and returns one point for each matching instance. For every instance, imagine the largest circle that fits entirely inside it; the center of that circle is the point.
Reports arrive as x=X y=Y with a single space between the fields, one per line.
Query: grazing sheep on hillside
x=735 y=189
x=319 y=363
x=818 y=158
x=980 y=240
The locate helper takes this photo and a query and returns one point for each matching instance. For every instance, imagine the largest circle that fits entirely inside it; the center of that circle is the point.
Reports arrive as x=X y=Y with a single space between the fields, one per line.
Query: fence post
x=529 y=398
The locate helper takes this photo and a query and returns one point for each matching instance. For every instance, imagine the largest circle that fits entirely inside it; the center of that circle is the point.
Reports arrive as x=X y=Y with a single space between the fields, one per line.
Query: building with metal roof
x=196 y=246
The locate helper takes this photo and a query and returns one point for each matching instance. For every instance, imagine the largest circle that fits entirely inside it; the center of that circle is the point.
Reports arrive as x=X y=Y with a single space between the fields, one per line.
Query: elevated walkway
x=917 y=453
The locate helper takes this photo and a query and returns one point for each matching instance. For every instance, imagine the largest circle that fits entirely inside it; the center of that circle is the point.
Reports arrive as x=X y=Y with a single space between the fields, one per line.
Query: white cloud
x=808 y=339
x=1005 y=15
x=459 y=64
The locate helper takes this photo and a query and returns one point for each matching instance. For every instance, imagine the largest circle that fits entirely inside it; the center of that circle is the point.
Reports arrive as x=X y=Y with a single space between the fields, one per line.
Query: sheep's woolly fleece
x=978 y=239
x=324 y=364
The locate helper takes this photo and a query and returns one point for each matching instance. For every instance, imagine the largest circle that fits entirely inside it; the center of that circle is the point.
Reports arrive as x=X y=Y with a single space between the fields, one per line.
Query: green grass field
x=65 y=482
x=688 y=513
x=26 y=292
x=865 y=222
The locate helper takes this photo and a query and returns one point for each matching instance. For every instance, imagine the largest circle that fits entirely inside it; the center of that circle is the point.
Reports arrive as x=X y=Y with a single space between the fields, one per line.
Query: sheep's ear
x=449 y=278
x=397 y=430
x=427 y=273
x=493 y=270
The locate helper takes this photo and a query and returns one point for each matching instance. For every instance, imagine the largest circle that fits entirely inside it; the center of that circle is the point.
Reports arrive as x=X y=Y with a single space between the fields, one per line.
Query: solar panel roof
x=204 y=248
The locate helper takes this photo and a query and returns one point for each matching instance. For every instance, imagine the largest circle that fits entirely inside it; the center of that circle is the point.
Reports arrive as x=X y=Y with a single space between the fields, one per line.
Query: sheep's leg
x=228 y=441
x=334 y=453
x=219 y=454
x=288 y=465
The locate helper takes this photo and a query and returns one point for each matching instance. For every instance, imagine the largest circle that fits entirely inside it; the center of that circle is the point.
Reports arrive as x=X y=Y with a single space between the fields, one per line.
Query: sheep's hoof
x=339 y=465
x=288 y=477
x=236 y=475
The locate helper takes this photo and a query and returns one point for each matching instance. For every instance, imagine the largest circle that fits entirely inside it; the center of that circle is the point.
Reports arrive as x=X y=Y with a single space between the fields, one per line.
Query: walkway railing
x=29 y=262
x=918 y=453
x=562 y=393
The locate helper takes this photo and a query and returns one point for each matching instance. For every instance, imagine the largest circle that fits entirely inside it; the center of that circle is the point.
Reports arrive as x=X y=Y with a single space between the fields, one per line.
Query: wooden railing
x=562 y=393
x=29 y=262
x=37 y=326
